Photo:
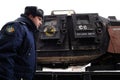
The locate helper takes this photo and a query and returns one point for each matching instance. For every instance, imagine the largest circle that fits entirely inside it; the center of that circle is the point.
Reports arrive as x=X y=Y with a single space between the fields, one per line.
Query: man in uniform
x=17 y=45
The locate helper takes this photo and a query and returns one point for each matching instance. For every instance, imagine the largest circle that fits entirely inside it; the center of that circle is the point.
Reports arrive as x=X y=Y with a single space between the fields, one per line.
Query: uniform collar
x=28 y=22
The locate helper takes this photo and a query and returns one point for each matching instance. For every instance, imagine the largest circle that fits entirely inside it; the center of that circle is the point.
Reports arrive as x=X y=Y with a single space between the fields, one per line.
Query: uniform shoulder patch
x=10 y=29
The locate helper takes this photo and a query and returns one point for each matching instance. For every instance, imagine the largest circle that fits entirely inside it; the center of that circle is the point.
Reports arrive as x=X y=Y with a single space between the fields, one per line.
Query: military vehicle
x=78 y=39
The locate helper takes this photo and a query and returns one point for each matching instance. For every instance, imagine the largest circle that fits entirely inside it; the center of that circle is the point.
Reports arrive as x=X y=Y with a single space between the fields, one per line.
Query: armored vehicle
x=78 y=39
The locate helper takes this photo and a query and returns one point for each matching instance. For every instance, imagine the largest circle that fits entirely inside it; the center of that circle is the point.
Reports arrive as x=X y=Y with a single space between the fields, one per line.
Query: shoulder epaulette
x=22 y=23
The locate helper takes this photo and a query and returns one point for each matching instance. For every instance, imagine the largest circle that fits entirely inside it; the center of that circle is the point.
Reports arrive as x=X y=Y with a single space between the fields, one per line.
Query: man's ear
x=31 y=16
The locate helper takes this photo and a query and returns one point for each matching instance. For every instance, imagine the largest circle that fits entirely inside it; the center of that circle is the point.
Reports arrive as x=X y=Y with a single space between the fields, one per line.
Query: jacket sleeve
x=11 y=38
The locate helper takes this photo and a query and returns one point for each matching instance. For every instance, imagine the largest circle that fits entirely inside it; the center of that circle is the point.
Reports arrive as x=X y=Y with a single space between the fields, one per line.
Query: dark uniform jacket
x=17 y=49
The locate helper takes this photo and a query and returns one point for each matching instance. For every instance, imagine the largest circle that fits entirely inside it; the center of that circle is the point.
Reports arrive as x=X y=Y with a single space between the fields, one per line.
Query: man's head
x=35 y=14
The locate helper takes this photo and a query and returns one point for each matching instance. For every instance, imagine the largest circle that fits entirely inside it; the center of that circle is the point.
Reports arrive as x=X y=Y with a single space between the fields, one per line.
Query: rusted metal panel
x=114 y=44
x=110 y=47
x=83 y=59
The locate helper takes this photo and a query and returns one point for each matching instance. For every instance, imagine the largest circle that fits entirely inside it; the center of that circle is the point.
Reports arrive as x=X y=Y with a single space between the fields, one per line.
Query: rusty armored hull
x=76 y=39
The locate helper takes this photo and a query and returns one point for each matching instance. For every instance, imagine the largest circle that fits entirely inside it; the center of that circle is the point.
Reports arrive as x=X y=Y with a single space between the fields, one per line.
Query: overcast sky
x=11 y=9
